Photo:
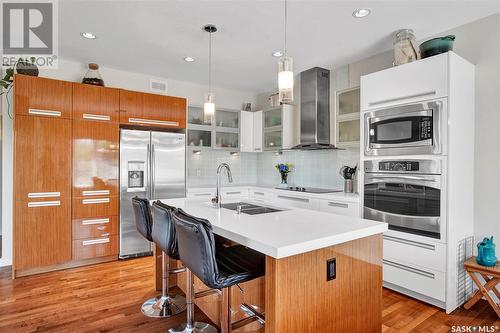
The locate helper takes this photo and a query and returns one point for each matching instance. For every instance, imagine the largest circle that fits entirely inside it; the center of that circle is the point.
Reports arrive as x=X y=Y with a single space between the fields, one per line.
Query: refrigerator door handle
x=153 y=170
x=148 y=176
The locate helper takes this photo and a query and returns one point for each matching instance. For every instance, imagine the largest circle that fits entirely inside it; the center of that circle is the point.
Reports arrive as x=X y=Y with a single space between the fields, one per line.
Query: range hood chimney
x=315 y=110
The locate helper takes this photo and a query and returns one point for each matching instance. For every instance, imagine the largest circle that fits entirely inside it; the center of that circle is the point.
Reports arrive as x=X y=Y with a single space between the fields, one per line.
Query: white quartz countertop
x=281 y=234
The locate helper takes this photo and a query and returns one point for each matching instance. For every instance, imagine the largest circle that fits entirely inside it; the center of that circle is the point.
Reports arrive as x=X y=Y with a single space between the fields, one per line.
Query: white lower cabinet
x=280 y=198
x=423 y=254
x=418 y=279
x=339 y=207
x=286 y=200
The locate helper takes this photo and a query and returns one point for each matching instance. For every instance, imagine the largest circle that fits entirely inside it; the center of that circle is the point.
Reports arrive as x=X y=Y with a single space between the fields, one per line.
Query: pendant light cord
x=286 y=19
x=210 y=63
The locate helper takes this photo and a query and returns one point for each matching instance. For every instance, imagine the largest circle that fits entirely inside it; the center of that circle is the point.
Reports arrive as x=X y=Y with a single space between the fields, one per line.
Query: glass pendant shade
x=285 y=80
x=209 y=108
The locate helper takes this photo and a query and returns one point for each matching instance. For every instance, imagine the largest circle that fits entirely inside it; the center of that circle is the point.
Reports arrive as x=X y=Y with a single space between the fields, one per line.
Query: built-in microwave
x=412 y=129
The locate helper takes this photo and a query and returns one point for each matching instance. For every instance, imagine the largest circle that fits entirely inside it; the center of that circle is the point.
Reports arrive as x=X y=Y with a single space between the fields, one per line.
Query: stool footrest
x=207 y=292
x=177 y=270
x=252 y=312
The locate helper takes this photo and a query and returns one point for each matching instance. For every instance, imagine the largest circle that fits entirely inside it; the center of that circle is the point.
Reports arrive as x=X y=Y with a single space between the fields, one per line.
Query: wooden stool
x=492 y=277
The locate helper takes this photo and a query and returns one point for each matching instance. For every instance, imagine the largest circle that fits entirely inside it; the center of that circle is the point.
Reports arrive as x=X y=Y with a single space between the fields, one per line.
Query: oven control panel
x=427 y=166
x=399 y=166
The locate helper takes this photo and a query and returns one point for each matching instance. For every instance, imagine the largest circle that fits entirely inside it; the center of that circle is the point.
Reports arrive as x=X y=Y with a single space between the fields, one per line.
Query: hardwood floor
x=107 y=297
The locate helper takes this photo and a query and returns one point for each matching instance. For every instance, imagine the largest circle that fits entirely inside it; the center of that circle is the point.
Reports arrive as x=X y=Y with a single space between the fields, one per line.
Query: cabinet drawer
x=287 y=200
x=339 y=207
x=95 y=247
x=262 y=196
x=86 y=207
x=428 y=254
x=423 y=80
x=95 y=227
x=421 y=280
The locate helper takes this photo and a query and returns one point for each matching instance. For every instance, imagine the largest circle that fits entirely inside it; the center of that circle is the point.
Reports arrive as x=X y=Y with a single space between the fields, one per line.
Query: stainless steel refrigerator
x=152 y=166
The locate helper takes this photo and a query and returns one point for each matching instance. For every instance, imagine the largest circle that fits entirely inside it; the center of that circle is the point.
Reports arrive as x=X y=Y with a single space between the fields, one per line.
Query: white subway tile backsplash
x=310 y=168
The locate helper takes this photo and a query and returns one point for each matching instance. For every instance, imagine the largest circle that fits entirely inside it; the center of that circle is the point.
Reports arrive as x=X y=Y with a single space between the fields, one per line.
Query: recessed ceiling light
x=361 y=12
x=277 y=54
x=189 y=59
x=88 y=35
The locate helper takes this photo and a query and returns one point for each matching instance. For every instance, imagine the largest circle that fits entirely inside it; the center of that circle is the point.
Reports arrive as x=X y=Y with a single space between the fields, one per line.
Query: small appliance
x=486 y=253
x=412 y=129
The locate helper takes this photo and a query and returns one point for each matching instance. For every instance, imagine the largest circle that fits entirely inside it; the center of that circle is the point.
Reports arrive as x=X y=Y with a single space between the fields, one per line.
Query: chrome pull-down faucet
x=217 y=201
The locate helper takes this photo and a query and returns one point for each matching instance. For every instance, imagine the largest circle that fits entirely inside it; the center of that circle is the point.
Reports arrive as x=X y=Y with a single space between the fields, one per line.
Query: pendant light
x=209 y=106
x=285 y=71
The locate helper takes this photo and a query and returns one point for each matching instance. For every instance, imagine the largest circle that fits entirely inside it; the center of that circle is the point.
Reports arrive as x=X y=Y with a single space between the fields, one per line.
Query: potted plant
x=284 y=169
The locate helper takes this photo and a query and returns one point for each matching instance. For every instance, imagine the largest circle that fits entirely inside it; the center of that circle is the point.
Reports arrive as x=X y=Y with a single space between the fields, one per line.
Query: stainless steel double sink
x=250 y=209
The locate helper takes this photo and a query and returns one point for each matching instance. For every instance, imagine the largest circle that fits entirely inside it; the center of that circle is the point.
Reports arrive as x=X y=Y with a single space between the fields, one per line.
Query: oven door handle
x=389 y=214
x=424 y=179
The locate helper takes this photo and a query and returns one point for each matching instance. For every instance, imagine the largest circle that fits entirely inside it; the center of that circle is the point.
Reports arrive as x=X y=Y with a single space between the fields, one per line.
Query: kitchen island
x=323 y=271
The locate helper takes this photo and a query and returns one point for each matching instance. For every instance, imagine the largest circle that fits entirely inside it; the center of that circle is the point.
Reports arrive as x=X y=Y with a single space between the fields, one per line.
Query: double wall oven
x=403 y=149
x=405 y=130
x=404 y=193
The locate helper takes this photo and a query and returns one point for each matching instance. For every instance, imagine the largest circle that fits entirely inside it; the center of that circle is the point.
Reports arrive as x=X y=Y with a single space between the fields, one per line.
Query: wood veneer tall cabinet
x=42 y=173
x=66 y=168
x=95 y=172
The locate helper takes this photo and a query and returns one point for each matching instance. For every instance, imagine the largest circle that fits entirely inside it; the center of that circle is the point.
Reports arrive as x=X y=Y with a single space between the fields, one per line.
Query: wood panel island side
x=323 y=271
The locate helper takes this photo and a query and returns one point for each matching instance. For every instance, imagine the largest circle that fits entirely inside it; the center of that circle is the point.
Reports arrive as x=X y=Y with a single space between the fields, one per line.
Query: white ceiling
x=153 y=37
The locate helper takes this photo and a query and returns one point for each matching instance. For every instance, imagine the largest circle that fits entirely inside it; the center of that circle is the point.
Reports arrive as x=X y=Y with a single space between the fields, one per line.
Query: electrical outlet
x=331 y=269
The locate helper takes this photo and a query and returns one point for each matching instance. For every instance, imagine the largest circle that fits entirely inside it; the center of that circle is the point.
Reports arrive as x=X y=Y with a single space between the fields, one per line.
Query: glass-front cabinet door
x=221 y=133
x=228 y=119
x=347 y=117
x=196 y=116
x=199 y=138
x=273 y=139
x=273 y=117
x=226 y=140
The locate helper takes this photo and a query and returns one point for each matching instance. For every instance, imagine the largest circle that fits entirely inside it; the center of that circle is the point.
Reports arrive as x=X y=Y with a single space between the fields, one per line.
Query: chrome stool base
x=164 y=307
x=197 y=327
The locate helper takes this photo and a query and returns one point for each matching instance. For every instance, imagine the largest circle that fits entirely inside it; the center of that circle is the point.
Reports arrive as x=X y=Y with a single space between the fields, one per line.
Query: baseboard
x=71 y=264
x=413 y=294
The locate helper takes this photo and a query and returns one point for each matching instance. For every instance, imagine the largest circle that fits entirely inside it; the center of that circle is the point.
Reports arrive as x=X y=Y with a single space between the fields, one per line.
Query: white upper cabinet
x=417 y=81
x=251 y=131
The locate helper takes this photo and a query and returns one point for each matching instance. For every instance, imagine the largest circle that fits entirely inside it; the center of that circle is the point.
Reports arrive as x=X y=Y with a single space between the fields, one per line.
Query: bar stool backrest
x=143 y=219
x=163 y=231
x=197 y=246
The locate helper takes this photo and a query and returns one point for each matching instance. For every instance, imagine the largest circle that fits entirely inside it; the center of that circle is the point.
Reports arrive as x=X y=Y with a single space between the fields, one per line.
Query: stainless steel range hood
x=315 y=110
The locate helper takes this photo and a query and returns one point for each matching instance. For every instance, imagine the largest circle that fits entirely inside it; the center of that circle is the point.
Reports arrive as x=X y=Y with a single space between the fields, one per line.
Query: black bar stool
x=218 y=267
x=163 y=235
x=156 y=306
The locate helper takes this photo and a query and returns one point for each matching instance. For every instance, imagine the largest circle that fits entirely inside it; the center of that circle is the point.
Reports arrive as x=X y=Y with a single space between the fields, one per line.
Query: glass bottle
x=93 y=76
x=405 y=47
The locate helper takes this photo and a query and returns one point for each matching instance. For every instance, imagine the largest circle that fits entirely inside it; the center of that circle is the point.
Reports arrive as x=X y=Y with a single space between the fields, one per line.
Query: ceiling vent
x=158 y=86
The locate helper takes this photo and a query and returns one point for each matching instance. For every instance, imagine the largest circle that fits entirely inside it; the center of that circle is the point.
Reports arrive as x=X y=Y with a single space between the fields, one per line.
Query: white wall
x=74 y=71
